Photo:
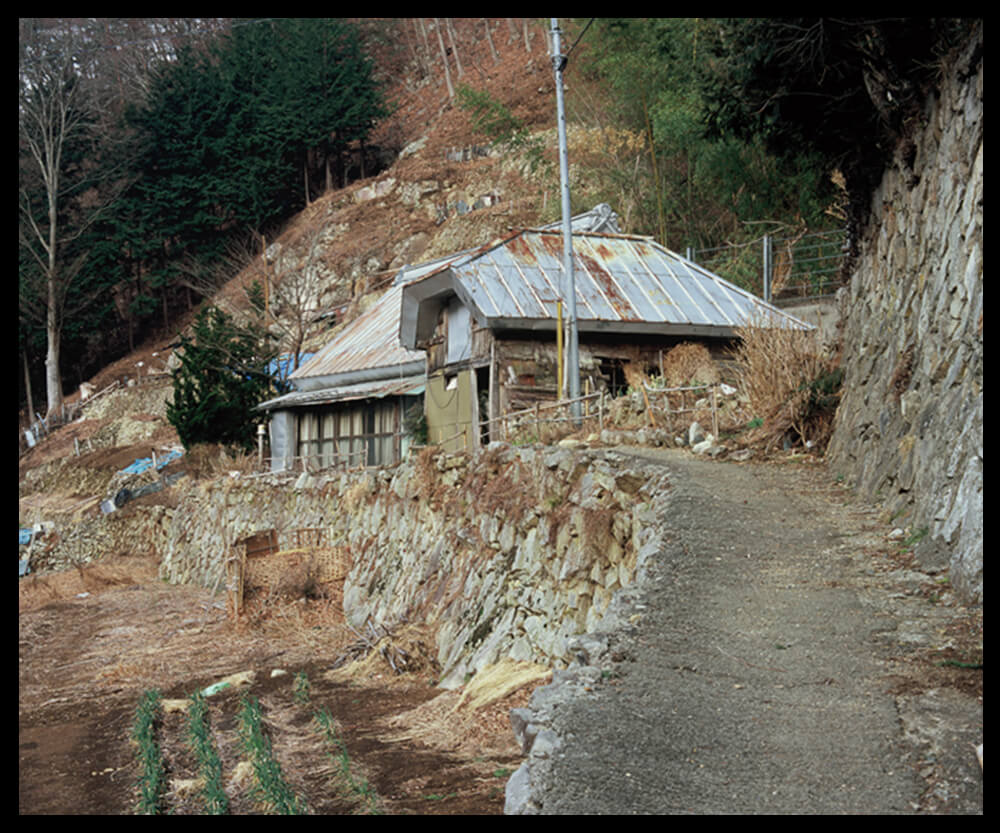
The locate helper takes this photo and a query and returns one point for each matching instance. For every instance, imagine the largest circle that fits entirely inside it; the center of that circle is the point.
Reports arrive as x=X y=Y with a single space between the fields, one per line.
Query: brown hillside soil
x=93 y=640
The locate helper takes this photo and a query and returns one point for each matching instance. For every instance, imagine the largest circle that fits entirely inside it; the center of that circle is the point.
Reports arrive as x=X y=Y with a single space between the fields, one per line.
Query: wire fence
x=798 y=265
x=665 y=407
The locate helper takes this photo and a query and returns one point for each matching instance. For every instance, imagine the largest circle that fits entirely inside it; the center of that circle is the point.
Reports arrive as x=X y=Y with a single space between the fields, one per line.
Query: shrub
x=224 y=373
x=790 y=383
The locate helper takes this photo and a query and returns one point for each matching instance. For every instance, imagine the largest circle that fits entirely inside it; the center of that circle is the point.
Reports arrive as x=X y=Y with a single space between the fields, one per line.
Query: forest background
x=154 y=153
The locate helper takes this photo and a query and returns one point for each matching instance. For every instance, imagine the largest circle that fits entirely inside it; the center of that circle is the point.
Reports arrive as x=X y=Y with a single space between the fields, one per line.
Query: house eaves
x=379 y=389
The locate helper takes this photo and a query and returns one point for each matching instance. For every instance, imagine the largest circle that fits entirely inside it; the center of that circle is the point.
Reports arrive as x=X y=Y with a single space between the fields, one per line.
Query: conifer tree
x=224 y=373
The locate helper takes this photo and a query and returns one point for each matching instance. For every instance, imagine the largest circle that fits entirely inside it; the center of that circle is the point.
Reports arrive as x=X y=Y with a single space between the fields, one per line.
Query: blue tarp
x=283 y=366
x=144 y=463
x=23 y=537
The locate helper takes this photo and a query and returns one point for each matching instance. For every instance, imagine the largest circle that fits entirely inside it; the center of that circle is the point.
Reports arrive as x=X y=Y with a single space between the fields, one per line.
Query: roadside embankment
x=505 y=554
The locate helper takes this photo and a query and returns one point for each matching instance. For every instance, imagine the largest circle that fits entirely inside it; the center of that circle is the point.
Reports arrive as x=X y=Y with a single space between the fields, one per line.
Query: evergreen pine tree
x=224 y=373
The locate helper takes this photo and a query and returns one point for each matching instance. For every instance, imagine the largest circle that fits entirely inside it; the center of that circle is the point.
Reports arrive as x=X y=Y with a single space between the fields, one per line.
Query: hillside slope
x=444 y=191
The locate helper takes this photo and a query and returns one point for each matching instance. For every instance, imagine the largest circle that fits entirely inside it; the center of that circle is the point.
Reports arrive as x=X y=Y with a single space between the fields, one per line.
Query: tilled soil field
x=93 y=642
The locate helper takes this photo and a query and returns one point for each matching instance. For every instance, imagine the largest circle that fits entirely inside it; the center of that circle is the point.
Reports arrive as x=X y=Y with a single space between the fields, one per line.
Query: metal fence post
x=767 y=267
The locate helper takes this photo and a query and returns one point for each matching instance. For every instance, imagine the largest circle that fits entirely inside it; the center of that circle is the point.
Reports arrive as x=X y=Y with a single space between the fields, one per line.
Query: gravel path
x=753 y=671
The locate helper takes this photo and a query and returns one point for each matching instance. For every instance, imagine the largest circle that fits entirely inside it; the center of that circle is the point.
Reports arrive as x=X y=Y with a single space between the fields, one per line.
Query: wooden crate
x=257 y=565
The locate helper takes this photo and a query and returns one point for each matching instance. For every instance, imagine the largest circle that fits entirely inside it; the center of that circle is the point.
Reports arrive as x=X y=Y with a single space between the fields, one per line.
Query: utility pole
x=572 y=364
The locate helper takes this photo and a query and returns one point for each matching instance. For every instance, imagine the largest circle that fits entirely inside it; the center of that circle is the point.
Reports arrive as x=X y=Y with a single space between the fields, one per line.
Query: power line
x=578 y=39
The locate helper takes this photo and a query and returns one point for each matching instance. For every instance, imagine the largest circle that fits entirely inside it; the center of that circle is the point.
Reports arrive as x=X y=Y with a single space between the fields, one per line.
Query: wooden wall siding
x=516 y=373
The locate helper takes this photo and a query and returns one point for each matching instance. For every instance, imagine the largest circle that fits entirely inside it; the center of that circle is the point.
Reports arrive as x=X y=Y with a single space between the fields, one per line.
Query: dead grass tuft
x=206 y=461
x=689 y=363
x=791 y=383
x=500 y=680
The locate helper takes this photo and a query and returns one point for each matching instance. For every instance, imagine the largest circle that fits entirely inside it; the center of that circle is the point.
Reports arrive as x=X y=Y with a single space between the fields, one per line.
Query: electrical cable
x=578 y=38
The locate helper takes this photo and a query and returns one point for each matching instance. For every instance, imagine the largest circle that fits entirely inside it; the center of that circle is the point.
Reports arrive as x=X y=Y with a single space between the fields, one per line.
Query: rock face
x=508 y=554
x=909 y=430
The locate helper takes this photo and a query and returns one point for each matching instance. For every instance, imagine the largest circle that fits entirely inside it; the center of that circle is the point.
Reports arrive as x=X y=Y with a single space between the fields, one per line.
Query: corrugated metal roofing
x=405 y=386
x=620 y=281
x=369 y=341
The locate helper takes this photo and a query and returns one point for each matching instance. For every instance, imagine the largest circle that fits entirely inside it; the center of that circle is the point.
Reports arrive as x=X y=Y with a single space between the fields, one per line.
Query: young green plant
x=209 y=766
x=151 y=776
x=361 y=787
x=272 y=787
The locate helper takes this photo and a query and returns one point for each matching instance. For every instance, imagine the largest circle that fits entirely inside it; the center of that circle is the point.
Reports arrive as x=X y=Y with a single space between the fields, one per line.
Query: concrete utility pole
x=569 y=282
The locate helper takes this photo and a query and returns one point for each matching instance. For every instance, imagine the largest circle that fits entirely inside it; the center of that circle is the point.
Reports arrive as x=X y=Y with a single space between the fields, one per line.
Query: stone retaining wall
x=507 y=553
x=909 y=430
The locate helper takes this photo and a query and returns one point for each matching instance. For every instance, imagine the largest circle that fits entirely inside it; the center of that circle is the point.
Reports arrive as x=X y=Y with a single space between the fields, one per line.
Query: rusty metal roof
x=618 y=280
x=364 y=349
x=623 y=284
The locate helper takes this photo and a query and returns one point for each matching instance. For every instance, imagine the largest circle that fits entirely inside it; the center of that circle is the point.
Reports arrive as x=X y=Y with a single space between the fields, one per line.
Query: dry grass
x=206 y=461
x=689 y=363
x=500 y=680
x=791 y=384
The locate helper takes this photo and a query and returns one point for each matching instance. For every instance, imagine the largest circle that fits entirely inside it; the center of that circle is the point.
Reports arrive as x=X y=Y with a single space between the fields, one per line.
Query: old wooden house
x=487 y=321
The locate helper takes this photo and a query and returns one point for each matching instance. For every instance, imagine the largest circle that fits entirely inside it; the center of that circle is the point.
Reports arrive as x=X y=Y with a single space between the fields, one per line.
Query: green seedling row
x=209 y=766
x=273 y=789
x=151 y=777
x=359 y=787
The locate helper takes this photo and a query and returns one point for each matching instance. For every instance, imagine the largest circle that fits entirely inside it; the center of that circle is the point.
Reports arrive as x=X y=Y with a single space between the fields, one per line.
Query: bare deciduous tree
x=444 y=59
x=489 y=40
x=52 y=110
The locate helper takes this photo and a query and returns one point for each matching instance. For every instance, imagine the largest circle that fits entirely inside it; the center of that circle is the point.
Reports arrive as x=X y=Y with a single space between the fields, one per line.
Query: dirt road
x=786 y=658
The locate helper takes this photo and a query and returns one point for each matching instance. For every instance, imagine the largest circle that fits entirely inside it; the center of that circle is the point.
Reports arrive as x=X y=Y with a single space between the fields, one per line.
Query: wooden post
x=715 y=417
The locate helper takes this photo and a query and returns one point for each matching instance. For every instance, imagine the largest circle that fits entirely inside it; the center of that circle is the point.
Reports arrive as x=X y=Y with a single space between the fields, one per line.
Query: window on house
x=362 y=434
x=613 y=371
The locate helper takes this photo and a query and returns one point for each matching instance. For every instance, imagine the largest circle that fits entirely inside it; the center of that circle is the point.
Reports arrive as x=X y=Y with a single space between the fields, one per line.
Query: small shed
x=350 y=401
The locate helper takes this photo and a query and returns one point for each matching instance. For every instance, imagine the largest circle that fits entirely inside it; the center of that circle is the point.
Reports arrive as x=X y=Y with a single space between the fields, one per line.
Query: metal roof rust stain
x=604 y=252
x=606 y=283
x=519 y=248
x=552 y=243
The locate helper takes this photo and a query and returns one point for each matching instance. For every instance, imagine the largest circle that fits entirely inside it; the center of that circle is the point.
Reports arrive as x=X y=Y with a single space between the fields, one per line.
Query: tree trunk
x=27 y=390
x=454 y=46
x=489 y=40
x=53 y=379
x=426 y=52
x=444 y=59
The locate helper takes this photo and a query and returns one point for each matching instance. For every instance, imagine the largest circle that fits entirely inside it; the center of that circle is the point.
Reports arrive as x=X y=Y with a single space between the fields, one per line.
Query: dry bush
x=790 y=383
x=689 y=363
x=207 y=461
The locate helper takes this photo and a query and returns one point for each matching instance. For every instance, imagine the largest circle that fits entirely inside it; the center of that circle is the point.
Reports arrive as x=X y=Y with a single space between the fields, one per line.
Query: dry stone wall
x=507 y=553
x=909 y=430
